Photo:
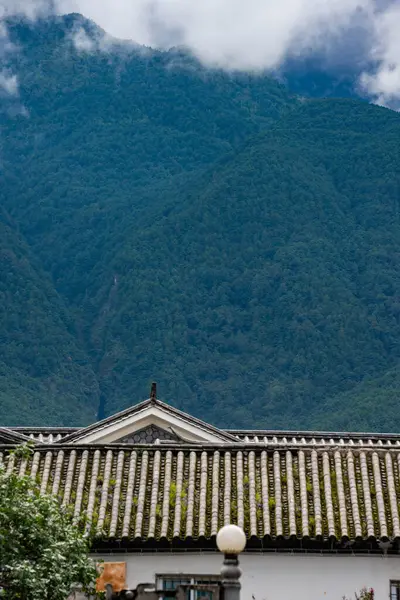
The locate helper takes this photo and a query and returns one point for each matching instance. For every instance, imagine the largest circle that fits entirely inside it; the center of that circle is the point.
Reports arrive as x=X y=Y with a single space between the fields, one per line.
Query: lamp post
x=231 y=540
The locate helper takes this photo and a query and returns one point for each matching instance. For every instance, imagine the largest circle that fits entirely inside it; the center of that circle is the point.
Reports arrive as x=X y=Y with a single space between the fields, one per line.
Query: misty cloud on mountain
x=253 y=35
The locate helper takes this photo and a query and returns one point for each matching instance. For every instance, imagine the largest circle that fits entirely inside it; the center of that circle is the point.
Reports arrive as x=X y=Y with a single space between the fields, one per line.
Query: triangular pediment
x=147 y=423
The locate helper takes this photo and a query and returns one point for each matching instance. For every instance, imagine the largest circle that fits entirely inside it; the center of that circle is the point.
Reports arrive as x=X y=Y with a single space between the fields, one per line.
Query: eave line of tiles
x=278 y=494
x=240 y=492
x=104 y=491
x=354 y=495
x=203 y=494
x=190 y=495
x=392 y=496
x=341 y=495
x=142 y=494
x=81 y=484
x=303 y=494
x=117 y=492
x=129 y=494
x=379 y=495
x=316 y=493
x=290 y=492
x=166 y=501
x=252 y=494
x=367 y=495
x=178 y=498
x=215 y=494
x=92 y=489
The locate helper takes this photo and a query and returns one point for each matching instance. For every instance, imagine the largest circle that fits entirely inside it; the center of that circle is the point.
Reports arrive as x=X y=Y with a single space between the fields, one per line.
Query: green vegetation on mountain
x=44 y=374
x=206 y=230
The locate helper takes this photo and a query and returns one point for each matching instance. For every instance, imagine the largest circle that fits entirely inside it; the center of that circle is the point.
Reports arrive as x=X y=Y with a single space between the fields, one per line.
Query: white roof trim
x=153 y=414
x=12 y=436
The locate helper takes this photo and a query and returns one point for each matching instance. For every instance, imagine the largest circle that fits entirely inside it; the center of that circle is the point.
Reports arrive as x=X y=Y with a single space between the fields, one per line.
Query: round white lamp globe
x=231 y=539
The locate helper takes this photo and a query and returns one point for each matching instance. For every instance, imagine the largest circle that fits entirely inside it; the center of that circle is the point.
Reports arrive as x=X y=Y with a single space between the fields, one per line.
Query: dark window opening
x=195 y=587
x=395 y=590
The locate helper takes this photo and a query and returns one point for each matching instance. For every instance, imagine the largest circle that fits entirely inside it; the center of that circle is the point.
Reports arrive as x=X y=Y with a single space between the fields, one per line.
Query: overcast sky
x=252 y=34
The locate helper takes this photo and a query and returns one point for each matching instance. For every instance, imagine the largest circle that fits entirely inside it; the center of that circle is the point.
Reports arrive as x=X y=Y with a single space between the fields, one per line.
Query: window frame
x=185 y=579
x=394 y=589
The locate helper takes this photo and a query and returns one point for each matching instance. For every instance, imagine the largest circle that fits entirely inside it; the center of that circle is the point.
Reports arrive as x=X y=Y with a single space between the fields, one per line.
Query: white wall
x=273 y=577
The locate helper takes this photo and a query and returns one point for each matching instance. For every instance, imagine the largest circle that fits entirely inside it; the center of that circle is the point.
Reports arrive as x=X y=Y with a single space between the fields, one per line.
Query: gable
x=148 y=422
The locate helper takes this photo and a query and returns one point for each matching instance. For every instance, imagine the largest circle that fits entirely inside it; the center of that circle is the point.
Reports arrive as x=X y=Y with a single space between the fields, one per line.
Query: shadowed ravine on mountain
x=210 y=231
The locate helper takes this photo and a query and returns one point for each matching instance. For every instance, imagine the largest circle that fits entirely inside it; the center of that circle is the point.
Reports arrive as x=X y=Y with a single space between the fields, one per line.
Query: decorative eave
x=252 y=438
x=45 y=435
x=348 y=436
x=268 y=437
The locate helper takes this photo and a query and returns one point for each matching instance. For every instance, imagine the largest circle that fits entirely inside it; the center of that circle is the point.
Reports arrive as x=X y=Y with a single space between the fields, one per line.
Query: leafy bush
x=43 y=554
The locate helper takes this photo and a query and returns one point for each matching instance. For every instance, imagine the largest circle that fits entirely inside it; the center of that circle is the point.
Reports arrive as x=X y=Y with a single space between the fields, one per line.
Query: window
x=395 y=590
x=169 y=585
x=194 y=587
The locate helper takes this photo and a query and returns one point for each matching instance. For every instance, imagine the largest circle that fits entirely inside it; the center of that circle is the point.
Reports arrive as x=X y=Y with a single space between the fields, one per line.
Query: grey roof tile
x=155 y=492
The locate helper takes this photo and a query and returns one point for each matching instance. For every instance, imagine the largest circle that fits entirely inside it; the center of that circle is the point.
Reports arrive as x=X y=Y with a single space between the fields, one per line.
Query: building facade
x=320 y=510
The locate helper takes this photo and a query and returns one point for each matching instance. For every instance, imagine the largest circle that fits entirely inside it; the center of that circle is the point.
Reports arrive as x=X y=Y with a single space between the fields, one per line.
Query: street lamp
x=231 y=540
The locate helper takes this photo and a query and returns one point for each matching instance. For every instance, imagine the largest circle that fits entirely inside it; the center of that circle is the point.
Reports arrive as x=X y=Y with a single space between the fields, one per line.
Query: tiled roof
x=46 y=435
x=316 y=438
x=50 y=435
x=332 y=494
x=8 y=436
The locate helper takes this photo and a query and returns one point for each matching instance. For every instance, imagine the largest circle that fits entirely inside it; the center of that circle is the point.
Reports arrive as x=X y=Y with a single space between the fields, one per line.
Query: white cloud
x=384 y=83
x=8 y=83
x=247 y=34
x=5 y=45
x=8 y=80
x=243 y=34
x=85 y=41
x=82 y=41
x=29 y=8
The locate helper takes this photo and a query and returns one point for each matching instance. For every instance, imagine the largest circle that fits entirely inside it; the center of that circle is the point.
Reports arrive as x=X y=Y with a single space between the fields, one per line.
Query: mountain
x=211 y=231
x=319 y=76
x=273 y=276
x=40 y=360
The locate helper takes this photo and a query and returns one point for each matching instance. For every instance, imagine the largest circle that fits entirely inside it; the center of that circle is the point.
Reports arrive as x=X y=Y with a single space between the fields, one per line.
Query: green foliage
x=40 y=357
x=364 y=594
x=43 y=555
x=205 y=230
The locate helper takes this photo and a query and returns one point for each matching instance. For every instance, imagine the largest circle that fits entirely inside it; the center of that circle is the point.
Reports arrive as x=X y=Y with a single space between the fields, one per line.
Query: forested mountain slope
x=206 y=230
x=107 y=132
x=42 y=369
x=275 y=277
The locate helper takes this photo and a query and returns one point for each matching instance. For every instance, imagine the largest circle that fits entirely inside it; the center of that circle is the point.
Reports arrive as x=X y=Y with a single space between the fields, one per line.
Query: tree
x=43 y=552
